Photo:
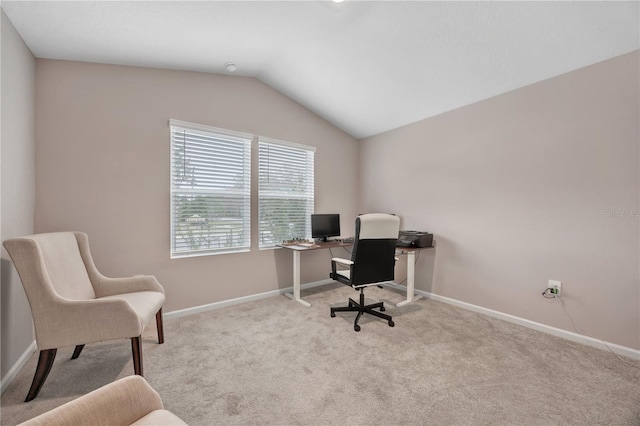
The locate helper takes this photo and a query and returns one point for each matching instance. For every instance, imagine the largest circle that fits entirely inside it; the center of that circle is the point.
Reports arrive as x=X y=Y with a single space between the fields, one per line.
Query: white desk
x=411 y=273
x=297 y=249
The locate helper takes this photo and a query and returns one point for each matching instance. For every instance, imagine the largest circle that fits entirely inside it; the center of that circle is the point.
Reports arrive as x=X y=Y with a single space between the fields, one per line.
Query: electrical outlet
x=556 y=287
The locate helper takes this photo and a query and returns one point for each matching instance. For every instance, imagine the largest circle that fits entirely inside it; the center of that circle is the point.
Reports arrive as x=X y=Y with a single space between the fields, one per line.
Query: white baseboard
x=13 y=372
x=230 y=302
x=569 y=335
x=575 y=337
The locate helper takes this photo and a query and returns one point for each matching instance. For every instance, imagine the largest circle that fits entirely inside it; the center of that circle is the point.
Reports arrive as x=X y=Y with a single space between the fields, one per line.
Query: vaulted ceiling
x=366 y=67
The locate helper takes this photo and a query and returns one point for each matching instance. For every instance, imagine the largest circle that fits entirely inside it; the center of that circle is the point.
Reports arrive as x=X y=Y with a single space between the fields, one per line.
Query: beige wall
x=18 y=187
x=102 y=159
x=517 y=190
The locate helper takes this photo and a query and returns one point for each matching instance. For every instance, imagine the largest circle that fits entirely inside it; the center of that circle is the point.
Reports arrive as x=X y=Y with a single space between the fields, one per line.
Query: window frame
x=309 y=195
x=246 y=141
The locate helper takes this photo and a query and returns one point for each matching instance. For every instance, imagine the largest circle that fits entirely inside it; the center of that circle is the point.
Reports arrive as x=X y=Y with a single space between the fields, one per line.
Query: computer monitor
x=325 y=225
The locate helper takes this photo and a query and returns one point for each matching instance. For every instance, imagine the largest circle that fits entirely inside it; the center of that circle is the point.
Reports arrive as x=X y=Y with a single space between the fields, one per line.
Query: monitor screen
x=325 y=225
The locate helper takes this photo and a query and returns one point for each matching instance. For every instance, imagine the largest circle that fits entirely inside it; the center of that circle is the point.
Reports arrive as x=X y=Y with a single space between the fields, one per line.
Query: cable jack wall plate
x=556 y=287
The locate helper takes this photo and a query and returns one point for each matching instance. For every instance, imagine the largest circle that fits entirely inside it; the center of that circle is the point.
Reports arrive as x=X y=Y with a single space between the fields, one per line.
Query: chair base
x=361 y=308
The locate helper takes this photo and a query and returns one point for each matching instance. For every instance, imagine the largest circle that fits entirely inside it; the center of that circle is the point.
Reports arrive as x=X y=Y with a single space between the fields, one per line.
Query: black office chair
x=372 y=262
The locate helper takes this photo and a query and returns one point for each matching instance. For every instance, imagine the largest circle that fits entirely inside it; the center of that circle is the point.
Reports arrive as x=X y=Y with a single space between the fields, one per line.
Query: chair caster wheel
x=391 y=323
x=382 y=309
x=356 y=327
x=333 y=314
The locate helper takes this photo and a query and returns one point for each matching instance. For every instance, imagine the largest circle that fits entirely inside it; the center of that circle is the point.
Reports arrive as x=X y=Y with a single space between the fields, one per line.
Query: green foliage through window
x=210 y=190
x=286 y=190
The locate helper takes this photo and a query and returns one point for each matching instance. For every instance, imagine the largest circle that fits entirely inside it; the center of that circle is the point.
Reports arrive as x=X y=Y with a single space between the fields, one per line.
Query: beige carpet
x=276 y=362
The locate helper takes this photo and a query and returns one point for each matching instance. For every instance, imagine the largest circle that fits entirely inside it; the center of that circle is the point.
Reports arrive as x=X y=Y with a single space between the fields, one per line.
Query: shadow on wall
x=424 y=269
x=11 y=290
x=284 y=267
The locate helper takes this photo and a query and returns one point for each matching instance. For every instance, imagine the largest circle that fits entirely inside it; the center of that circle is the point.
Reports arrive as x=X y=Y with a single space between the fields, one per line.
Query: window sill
x=209 y=253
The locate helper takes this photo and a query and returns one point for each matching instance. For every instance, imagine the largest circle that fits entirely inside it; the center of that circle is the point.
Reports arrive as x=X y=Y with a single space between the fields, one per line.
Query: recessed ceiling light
x=338 y=1
x=230 y=67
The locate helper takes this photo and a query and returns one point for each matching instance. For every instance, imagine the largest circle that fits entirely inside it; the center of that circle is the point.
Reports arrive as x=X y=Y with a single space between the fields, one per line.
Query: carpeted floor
x=276 y=362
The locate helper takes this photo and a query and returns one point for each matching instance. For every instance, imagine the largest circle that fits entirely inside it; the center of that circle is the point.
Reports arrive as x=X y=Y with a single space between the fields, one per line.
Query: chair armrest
x=119 y=403
x=75 y=322
x=334 y=269
x=105 y=286
x=342 y=261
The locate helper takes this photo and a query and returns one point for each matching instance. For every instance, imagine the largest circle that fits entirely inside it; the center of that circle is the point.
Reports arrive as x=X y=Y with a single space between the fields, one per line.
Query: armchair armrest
x=342 y=261
x=74 y=322
x=105 y=286
x=122 y=402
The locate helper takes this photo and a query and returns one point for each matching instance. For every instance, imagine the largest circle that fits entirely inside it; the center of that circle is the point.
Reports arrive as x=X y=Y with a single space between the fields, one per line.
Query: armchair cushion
x=159 y=418
x=63 y=263
x=144 y=303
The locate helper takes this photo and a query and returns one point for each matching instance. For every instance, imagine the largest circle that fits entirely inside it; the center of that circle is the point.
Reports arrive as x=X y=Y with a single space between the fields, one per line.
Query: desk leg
x=296 y=280
x=411 y=274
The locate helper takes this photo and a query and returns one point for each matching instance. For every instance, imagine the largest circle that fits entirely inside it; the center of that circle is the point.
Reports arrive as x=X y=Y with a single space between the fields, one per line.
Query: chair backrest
x=51 y=260
x=374 y=248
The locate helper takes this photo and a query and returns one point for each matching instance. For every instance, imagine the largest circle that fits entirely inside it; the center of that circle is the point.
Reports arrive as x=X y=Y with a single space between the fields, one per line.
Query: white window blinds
x=210 y=190
x=285 y=192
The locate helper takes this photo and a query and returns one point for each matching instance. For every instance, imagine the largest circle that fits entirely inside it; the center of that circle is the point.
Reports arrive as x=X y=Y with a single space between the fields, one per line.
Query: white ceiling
x=366 y=67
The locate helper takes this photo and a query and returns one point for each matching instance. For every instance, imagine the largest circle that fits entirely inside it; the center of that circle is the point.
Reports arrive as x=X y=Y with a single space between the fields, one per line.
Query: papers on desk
x=305 y=245
x=299 y=246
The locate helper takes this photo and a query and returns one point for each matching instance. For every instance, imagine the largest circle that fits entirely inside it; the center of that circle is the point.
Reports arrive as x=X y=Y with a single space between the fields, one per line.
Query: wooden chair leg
x=45 y=361
x=76 y=351
x=160 y=326
x=136 y=349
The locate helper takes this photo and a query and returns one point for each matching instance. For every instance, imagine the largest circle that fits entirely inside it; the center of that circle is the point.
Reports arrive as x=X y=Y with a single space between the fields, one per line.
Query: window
x=210 y=190
x=285 y=192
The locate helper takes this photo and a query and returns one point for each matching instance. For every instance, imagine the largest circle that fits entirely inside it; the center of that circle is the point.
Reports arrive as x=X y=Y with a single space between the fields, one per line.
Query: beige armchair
x=128 y=401
x=74 y=304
